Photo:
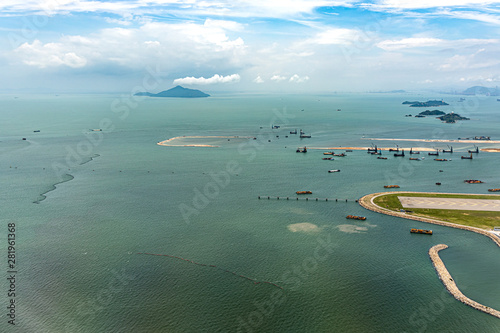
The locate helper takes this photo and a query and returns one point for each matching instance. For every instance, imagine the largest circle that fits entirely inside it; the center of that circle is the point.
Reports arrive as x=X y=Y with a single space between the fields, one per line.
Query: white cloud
x=277 y=78
x=297 y=79
x=335 y=36
x=212 y=80
x=49 y=55
x=172 y=46
x=420 y=4
x=416 y=42
x=258 y=79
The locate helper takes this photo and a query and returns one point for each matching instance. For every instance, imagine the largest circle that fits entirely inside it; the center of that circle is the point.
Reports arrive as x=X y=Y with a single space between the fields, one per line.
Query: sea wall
x=450 y=284
x=367 y=202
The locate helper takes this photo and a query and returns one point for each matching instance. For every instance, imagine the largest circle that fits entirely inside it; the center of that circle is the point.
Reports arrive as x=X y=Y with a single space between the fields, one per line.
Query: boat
x=413 y=152
x=494 y=190
x=303 y=135
x=354 y=217
x=36 y=131
x=438 y=183
x=381 y=158
x=475 y=151
x=433 y=154
x=372 y=149
x=392 y=149
x=467 y=157
x=275 y=126
x=440 y=159
x=339 y=110
x=293 y=132
x=340 y=155
x=328 y=153
x=327 y=158
x=336 y=170
x=473 y=181
x=304 y=150
x=303 y=192
x=448 y=151
x=415 y=159
x=391 y=186
x=348 y=150
x=402 y=154
x=421 y=231
x=379 y=152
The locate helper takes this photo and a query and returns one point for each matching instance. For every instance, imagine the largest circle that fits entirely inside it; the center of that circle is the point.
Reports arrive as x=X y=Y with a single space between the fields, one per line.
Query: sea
x=88 y=196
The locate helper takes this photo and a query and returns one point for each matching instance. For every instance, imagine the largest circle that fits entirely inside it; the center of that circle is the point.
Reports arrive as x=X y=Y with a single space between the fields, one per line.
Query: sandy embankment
x=434 y=140
x=167 y=144
x=379 y=148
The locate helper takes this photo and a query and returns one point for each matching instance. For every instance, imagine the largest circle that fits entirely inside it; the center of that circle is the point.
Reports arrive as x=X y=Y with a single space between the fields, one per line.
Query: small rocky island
x=425 y=104
x=432 y=113
x=451 y=118
x=177 y=91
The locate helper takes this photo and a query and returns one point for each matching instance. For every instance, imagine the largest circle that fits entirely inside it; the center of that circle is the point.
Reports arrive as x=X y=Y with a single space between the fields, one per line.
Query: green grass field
x=480 y=219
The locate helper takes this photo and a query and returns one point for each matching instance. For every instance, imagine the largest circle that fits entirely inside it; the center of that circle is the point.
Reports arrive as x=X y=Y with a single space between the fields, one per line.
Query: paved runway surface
x=450 y=203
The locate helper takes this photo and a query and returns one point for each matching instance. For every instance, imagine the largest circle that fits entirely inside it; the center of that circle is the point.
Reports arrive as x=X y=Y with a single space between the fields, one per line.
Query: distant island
x=425 y=104
x=480 y=90
x=432 y=113
x=452 y=118
x=177 y=91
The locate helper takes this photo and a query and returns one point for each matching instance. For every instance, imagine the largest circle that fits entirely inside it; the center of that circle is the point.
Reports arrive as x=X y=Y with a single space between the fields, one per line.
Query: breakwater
x=450 y=284
x=367 y=202
x=208 y=265
x=268 y=197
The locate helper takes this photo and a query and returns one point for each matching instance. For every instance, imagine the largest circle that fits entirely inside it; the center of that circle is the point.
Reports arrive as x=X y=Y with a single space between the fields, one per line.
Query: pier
x=450 y=284
x=268 y=197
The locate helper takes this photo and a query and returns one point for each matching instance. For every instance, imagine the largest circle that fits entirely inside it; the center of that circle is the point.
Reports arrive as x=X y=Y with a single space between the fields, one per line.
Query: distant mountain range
x=177 y=91
x=480 y=90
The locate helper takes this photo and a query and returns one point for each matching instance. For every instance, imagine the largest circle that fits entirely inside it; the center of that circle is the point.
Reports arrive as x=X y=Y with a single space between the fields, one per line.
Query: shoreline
x=165 y=142
x=450 y=284
x=434 y=140
x=367 y=203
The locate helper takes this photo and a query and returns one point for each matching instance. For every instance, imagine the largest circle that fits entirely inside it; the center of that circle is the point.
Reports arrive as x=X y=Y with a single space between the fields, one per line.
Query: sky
x=248 y=45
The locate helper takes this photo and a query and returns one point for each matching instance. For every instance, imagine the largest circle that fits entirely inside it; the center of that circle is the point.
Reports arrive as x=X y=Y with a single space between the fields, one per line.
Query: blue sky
x=259 y=45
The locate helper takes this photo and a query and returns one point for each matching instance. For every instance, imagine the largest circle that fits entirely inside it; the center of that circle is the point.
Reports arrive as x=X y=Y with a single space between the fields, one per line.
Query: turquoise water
x=118 y=194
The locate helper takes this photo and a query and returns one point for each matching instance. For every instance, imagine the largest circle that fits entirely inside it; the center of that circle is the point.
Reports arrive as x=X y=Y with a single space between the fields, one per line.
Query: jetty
x=269 y=197
x=450 y=284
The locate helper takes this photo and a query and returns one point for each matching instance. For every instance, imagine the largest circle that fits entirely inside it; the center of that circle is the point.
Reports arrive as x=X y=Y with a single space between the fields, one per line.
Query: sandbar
x=435 y=140
x=167 y=144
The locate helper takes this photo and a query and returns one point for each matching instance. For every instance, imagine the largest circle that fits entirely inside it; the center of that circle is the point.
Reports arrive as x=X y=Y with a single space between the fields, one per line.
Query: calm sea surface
x=85 y=203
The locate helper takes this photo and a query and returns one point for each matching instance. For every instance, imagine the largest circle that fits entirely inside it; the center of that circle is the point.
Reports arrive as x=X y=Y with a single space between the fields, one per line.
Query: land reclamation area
x=474 y=218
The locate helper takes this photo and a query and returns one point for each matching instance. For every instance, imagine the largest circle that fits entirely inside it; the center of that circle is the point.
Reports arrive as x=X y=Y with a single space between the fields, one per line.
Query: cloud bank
x=212 y=80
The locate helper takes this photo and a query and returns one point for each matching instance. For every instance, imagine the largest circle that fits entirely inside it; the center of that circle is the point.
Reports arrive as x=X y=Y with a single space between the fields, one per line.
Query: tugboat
x=303 y=192
x=421 y=231
x=413 y=152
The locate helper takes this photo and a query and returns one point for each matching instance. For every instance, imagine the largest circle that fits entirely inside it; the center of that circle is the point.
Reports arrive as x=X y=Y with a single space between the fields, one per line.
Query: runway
x=450 y=203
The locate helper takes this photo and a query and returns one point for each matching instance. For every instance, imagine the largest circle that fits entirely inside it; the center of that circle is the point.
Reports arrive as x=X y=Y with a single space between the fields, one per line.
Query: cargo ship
x=421 y=231
x=391 y=186
x=354 y=217
x=303 y=192
x=494 y=190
